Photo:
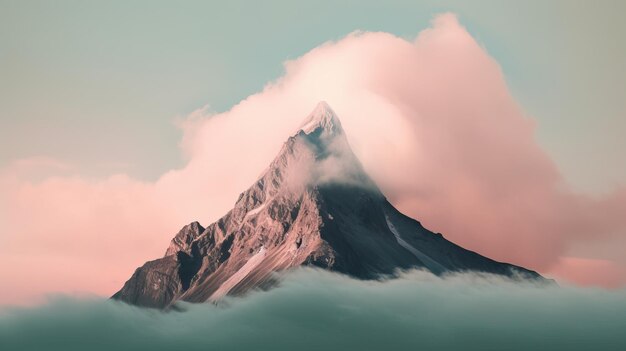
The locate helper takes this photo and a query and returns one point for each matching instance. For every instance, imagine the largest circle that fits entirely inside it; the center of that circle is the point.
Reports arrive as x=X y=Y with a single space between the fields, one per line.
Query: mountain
x=315 y=206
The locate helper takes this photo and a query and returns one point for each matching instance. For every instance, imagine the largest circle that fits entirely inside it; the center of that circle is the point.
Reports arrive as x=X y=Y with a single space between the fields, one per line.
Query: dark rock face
x=314 y=206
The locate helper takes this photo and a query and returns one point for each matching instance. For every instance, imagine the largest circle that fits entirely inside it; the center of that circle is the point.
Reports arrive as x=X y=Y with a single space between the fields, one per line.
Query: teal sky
x=100 y=84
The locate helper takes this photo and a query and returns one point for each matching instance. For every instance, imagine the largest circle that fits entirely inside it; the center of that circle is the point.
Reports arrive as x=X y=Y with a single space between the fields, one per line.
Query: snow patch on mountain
x=238 y=276
x=256 y=210
x=431 y=264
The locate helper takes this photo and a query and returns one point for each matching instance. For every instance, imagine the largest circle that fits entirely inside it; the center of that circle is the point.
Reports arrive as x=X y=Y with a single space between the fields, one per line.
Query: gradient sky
x=98 y=84
x=93 y=89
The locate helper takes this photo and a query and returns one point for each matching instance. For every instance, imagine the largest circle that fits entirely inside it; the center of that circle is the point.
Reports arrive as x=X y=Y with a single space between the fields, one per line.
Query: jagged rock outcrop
x=314 y=205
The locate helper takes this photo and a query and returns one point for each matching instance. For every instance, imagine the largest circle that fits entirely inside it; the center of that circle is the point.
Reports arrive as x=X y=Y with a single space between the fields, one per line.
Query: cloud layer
x=431 y=120
x=317 y=310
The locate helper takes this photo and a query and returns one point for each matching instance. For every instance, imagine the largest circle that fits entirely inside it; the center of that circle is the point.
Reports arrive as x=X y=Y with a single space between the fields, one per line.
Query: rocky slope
x=314 y=205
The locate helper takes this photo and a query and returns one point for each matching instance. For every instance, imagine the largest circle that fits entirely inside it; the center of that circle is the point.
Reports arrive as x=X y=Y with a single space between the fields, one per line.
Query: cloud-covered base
x=317 y=310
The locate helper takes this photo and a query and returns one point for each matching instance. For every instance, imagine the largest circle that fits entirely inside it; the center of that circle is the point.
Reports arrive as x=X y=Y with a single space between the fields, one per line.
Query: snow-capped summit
x=322 y=117
x=314 y=206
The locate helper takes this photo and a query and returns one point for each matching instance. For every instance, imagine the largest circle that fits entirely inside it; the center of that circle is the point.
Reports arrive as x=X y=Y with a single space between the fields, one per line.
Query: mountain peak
x=323 y=117
x=313 y=206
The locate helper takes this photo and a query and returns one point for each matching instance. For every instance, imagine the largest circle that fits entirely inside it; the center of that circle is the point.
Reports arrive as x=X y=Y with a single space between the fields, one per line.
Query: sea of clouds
x=319 y=310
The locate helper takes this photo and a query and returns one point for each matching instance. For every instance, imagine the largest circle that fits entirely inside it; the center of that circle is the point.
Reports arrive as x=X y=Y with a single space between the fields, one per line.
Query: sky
x=109 y=132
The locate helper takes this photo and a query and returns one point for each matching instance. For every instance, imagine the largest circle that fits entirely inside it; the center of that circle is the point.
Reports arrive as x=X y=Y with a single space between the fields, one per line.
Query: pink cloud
x=432 y=121
x=584 y=271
